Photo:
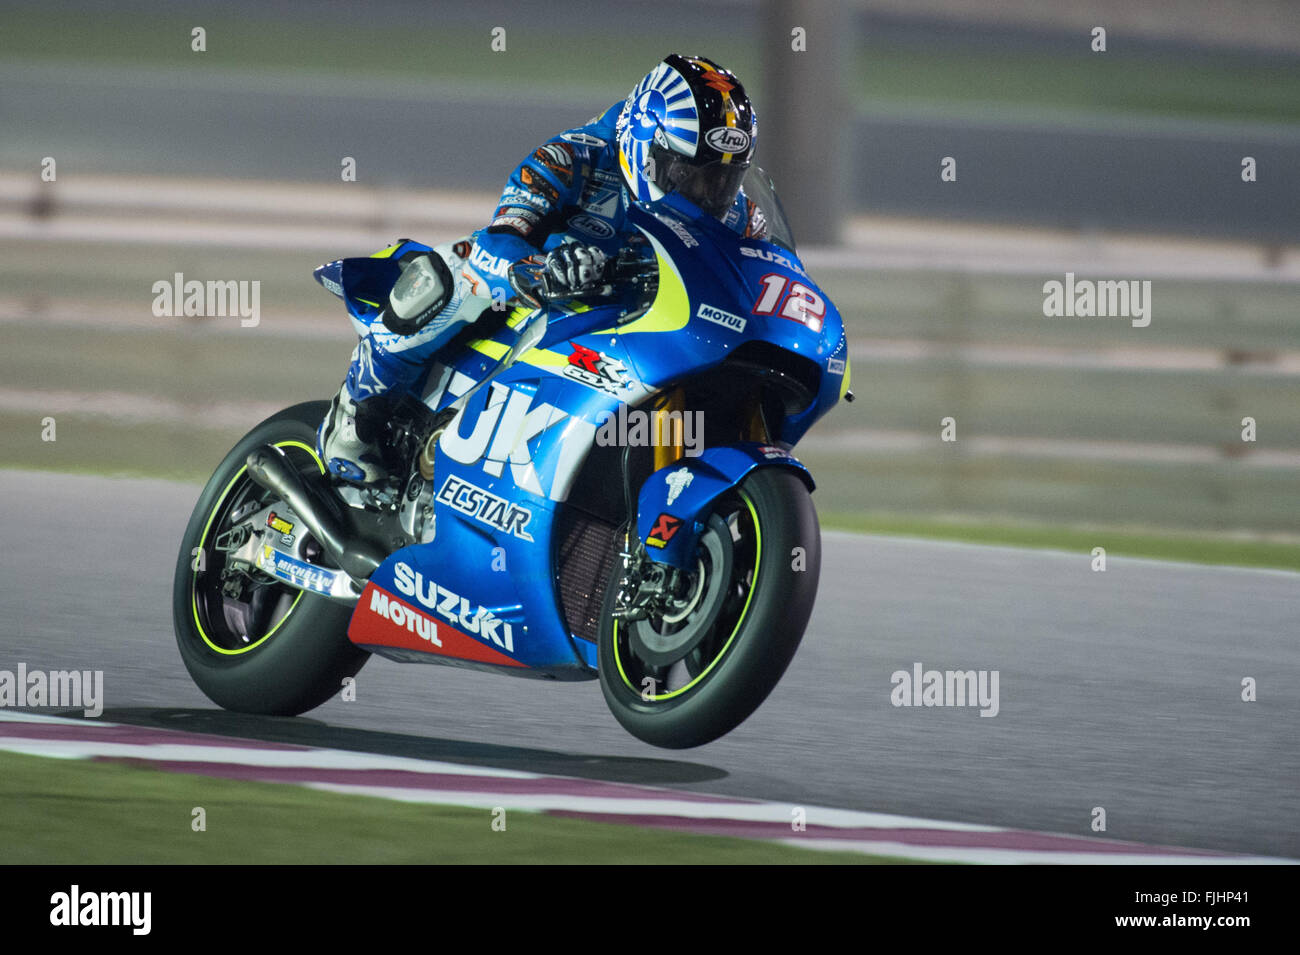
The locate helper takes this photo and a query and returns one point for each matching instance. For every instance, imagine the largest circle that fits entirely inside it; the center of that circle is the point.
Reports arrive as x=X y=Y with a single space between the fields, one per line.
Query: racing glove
x=574 y=268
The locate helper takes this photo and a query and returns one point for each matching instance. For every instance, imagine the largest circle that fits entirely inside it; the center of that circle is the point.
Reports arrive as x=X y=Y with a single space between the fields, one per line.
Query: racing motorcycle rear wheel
x=695 y=672
x=251 y=644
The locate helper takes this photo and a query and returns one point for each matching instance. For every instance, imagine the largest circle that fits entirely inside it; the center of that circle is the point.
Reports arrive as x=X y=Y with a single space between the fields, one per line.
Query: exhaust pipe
x=358 y=557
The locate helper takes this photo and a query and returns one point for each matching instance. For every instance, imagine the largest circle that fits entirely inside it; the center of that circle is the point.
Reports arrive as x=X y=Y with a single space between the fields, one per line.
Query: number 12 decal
x=797 y=301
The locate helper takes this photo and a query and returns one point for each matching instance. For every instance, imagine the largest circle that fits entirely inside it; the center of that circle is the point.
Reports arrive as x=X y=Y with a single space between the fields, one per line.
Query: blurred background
x=1124 y=164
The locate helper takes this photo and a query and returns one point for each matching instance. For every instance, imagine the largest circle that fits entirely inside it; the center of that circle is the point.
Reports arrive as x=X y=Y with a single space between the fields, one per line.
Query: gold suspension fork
x=668 y=434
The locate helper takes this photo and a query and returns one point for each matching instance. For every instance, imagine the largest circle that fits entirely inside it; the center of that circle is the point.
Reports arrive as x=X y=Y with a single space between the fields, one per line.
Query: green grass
x=104 y=447
x=1219 y=498
x=1161 y=545
x=425 y=48
x=1187 y=84
x=56 y=811
x=950 y=78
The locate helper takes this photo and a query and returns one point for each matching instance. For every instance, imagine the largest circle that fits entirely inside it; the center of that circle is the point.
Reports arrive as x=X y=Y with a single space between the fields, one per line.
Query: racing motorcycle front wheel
x=699 y=668
x=252 y=644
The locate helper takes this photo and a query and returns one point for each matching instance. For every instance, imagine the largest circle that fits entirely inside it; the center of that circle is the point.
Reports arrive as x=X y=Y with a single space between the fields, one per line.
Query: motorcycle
x=589 y=488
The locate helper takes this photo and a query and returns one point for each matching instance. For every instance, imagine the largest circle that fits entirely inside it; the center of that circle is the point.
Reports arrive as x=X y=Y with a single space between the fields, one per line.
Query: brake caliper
x=647 y=588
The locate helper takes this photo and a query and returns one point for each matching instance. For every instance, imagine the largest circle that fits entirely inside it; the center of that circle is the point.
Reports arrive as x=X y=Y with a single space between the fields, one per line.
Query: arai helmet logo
x=727 y=139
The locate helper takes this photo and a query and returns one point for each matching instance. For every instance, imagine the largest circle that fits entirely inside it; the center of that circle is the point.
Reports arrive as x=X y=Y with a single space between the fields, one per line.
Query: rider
x=687 y=127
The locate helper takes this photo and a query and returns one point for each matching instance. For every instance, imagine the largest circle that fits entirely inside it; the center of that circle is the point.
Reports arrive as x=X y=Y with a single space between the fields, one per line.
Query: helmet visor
x=713 y=187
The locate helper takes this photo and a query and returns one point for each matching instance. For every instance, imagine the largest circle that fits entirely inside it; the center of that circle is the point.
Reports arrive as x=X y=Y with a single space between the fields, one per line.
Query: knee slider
x=422 y=291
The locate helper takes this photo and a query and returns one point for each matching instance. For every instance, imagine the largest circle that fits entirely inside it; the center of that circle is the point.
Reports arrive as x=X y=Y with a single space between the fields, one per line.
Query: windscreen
x=758 y=189
x=714 y=187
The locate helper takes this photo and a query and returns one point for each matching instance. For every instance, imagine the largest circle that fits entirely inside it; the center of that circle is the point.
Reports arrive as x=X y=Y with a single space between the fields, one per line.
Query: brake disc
x=665 y=640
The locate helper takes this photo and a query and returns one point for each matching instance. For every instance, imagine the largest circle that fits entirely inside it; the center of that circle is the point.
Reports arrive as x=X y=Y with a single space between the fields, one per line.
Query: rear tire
x=299 y=654
x=727 y=673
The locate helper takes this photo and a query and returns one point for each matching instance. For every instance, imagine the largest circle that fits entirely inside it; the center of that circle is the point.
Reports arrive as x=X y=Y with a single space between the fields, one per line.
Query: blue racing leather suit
x=569 y=189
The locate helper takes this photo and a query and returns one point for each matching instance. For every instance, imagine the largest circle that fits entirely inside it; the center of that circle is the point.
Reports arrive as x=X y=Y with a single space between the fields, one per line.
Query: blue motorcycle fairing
x=417 y=609
x=363 y=282
x=506 y=463
x=501 y=469
x=734 y=290
x=675 y=501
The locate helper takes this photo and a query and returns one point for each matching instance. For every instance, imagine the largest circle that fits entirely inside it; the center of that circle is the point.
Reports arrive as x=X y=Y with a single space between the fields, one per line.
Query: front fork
x=649 y=584
x=753 y=427
x=672 y=450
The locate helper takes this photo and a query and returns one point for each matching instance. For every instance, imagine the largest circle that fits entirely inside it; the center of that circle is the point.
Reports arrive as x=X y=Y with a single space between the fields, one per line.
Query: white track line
x=636 y=800
x=1018 y=856
x=238 y=756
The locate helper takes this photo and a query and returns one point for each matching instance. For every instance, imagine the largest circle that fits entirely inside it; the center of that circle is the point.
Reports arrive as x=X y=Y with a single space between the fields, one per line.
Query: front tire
x=275 y=650
x=747 y=630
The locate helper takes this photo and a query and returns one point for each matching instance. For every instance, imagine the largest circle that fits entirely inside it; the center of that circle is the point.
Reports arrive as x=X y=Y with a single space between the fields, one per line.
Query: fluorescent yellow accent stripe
x=671 y=309
x=542 y=358
x=368 y=302
x=494 y=350
x=669 y=312
x=844 y=385
x=538 y=357
x=194 y=602
x=386 y=253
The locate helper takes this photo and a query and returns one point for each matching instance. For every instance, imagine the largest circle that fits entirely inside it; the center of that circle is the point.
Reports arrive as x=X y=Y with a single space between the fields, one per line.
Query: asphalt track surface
x=1118 y=689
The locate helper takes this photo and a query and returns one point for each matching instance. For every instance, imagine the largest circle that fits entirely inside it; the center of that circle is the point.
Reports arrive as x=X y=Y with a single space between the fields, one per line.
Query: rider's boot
x=348 y=438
